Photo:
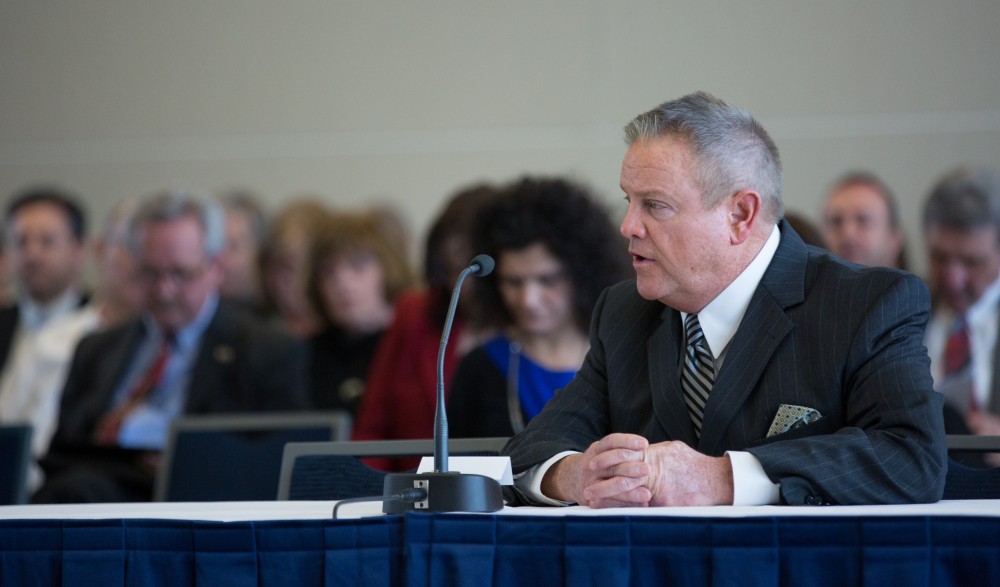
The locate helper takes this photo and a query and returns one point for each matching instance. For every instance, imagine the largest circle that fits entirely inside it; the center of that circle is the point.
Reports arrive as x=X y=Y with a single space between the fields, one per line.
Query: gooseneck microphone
x=480 y=266
x=446 y=491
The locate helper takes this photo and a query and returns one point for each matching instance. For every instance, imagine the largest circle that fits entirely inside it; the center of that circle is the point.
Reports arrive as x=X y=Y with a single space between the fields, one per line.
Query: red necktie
x=111 y=423
x=958 y=351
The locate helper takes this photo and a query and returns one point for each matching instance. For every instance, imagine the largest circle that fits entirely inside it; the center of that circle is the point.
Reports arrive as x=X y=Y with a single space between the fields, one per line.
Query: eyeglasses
x=176 y=276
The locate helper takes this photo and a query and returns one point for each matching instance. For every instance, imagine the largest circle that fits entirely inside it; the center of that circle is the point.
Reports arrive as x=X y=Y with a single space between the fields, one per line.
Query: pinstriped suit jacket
x=819 y=332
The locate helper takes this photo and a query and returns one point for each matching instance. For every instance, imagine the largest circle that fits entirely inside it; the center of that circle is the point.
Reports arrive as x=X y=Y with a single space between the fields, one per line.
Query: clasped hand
x=624 y=470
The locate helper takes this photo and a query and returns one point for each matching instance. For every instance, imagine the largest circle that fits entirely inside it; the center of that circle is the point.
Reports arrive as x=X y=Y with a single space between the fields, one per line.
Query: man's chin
x=648 y=291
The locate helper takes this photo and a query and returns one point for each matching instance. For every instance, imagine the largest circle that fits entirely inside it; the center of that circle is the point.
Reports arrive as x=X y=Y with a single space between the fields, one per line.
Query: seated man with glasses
x=188 y=353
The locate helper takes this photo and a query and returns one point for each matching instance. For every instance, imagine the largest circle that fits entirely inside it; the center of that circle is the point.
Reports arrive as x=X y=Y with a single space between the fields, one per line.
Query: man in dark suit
x=962 y=232
x=741 y=366
x=188 y=354
x=46 y=229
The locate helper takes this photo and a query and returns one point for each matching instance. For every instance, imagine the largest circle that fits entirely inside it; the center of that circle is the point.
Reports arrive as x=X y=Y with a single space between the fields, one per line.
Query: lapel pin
x=224 y=354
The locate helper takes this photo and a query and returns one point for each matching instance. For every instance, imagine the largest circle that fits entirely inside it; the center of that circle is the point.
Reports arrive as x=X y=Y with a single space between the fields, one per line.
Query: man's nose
x=955 y=277
x=631 y=226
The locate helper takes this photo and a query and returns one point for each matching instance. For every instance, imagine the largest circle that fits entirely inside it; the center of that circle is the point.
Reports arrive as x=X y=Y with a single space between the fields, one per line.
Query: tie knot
x=692 y=330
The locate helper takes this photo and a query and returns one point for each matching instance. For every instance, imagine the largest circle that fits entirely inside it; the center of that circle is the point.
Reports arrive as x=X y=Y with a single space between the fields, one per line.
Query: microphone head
x=482 y=265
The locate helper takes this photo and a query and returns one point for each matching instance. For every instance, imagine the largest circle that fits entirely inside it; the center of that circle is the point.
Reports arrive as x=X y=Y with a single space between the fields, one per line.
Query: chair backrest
x=332 y=470
x=237 y=457
x=15 y=456
x=975 y=480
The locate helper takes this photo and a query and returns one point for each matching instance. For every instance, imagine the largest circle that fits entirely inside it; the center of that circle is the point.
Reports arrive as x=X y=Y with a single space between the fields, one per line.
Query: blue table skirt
x=442 y=549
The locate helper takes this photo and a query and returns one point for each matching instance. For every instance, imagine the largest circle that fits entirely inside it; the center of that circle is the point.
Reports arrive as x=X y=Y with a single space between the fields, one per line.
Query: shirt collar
x=190 y=333
x=722 y=316
x=985 y=305
x=33 y=315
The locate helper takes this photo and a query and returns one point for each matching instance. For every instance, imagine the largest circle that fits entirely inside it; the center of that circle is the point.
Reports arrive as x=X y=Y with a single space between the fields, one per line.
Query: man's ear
x=744 y=210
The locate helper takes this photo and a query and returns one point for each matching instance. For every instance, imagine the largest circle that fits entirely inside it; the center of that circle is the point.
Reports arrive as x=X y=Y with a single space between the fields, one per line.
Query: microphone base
x=446 y=492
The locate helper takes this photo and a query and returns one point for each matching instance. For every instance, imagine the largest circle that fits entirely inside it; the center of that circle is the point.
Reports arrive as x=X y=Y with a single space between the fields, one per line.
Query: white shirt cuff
x=751 y=486
x=530 y=481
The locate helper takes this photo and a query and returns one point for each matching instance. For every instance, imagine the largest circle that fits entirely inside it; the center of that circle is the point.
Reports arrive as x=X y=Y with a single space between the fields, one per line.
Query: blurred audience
x=962 y=232
x=188 y=353
x=358 y=270
x=861 y=222
x=284 y=260
x=45 y=230
x=246 y=226
x=556 y=250
x=31 y=388
x=400 y=395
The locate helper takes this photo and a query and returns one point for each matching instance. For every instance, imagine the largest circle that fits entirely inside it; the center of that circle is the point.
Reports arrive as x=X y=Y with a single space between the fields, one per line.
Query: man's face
x=856 y=226
x=176 y=274
x=45 y=254
x=678 y=247
x=963 y=263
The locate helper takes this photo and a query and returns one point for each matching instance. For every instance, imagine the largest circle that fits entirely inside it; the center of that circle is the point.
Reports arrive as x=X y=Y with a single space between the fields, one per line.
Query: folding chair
x=237 y=457
x=968 y=482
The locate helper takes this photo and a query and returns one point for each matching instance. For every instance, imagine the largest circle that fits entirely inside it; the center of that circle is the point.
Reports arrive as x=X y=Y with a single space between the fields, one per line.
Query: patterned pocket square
x=790 y=417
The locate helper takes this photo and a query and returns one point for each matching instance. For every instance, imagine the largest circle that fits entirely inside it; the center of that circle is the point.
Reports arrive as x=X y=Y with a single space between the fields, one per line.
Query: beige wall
x=405 y=101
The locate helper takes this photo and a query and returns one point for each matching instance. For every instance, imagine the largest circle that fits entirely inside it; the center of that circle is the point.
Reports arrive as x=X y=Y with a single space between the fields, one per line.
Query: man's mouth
x=638 y=259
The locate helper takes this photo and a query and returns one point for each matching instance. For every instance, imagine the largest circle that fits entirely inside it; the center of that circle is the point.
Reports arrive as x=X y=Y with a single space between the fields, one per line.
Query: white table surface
x=317 y=510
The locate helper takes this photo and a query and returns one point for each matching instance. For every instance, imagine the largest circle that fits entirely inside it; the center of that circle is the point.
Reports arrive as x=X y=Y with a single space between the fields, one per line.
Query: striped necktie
x=698 y=374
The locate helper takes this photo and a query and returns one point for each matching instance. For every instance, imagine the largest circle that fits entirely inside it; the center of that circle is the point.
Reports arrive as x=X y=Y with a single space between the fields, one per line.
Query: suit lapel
x=212 y=368
x=762 y=329
x=664 y=358
x=117 y=360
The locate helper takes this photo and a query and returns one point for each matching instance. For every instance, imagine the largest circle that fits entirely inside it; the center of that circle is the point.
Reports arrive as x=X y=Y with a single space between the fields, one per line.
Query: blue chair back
x=237 y=457
x=15 y=457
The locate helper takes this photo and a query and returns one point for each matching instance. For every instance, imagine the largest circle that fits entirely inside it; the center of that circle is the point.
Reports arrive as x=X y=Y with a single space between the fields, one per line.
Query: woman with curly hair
x=555 y=250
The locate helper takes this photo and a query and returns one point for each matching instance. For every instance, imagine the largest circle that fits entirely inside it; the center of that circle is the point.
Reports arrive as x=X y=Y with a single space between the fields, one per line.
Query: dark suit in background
x=9 y=318
x=242 y=365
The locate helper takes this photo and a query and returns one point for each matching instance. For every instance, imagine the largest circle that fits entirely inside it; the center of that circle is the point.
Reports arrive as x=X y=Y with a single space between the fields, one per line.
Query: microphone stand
x=445 y=491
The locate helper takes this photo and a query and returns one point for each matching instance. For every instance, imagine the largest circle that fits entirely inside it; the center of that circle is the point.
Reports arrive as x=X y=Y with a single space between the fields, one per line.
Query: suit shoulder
x=822 y=264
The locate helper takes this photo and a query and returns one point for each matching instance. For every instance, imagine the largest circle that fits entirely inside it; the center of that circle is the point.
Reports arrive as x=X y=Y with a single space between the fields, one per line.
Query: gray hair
x=964 y=199
x=175 y=204
x=731 y=150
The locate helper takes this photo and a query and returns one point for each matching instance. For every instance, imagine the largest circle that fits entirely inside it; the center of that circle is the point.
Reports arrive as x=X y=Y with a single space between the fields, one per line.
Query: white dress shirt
x=982 y=318
x=32 y=381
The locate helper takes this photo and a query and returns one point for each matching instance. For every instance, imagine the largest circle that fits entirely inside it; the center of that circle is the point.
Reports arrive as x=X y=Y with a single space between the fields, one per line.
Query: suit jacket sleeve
x=888 y=445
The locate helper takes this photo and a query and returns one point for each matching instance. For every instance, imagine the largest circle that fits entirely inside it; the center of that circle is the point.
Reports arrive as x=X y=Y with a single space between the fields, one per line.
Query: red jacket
x=401 y=389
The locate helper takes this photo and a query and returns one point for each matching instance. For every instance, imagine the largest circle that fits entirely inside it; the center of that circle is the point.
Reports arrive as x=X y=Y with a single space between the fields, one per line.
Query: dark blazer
x=9 y=318
x=819 y=332
x=242 y=365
